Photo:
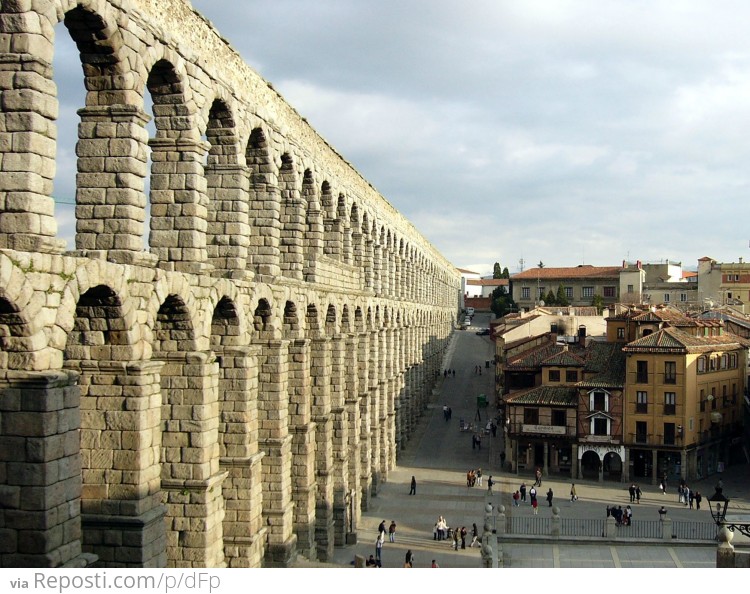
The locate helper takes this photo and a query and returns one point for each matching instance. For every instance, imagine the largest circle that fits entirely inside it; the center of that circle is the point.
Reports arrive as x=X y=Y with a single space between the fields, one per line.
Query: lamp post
x=719 y=503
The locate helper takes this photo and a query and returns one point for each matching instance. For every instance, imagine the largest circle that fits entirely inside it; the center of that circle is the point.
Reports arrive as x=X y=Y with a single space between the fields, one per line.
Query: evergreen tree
x=506 y=273
x=496 y=271
x=561 y=299
x=502 y=302
x=550 y=298
x=598 y=302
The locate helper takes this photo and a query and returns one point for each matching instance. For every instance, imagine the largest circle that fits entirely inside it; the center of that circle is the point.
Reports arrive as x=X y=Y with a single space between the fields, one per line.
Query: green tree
x=550 y=298
x=502 y=302
x=560 y=298
x=497 y=271
x=598 y=303
x=506 y=273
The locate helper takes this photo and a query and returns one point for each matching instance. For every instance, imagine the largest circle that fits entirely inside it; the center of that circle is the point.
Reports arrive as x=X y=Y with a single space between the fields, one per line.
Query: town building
x=580 y=284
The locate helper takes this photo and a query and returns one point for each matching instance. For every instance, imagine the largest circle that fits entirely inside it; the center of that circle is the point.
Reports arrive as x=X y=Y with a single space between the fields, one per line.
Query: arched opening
x=590 y=465
x=612 y=466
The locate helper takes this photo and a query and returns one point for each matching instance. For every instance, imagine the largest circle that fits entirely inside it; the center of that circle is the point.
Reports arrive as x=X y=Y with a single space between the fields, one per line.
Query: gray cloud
x=565 y=132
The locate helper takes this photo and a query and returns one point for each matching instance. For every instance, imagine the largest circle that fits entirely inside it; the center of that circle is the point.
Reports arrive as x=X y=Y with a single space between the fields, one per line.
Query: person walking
x=538 y=482
x=463 y=537
x=523 y=491
x=474 y=535
x=379 y=548
x=532 y=494
x=549 y=497
x=662 y=513
x=637 y=493
x=490 y=482
x=573 y=496
x=698 y=499
x=409 y=559
x=479 y=477
x=534 y=505
x=455 y=539
x=381 y=529
x=413 y=488
x=516 y=498
x=631 y=491
x=434 y=563
x=392 y=531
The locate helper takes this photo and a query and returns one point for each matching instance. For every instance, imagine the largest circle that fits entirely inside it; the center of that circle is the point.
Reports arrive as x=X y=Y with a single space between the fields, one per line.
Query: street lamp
x=719 y=503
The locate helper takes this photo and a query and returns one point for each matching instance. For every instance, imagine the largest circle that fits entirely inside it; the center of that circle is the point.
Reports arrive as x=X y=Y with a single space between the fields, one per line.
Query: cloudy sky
x=563 y=131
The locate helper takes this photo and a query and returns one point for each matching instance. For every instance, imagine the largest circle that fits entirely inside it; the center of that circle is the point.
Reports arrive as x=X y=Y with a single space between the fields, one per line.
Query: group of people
x=478 y=369
x=623 y=517
x=520 y=495
x=441 y=530
x=449 y=373
x=377 y=560
x=687 y=496
x=635 y=493
x=474 y=478
x=476 y=442
x=447 y=413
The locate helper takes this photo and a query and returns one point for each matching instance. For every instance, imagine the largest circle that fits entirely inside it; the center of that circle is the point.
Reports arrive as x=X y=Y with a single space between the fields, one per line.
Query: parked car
x=483 y=332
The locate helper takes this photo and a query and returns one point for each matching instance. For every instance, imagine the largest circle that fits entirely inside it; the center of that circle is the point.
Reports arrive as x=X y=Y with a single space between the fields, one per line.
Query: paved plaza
x=439 y=455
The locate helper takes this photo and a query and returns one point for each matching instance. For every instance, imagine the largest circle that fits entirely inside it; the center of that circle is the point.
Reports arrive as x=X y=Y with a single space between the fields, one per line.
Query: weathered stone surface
x=213 y=398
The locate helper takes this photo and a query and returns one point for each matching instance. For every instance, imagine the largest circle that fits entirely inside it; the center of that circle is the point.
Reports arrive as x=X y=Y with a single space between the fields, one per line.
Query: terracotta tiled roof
x=673 y=340
x=582 y=271
x=606 y=362
x=488 y=282
x=546 y=396
x=464 y=271
x=674 y=318
x=585 y=310
x=564 y=359
x=532 y=359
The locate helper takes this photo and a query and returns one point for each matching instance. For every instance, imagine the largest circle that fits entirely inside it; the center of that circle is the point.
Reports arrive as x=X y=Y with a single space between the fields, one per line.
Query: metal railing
x=534 y=525
x=586 y=527
x=598 y=528
x=694 y=530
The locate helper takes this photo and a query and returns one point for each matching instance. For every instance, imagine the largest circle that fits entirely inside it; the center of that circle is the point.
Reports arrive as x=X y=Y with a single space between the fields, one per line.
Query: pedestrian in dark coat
x=549 y=496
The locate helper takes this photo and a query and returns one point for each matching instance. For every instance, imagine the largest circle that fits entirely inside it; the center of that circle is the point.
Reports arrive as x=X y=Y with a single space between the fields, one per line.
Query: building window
x=630 y=289
x=670 y=403
x=641 y=402
x=587 y=292
x=554 y=375
x=701 y=365
x=571 y=376
x=542 y=293
x=599 y=401
x=641 y=432
x=712 y=363
x=666 y=297
x=525 y=292
x=569 y=292
x=703 y=400
x=683 y=297
x=609 y=292
x=733 y=361
x=559 y=418
x=641 y=372
x=713 y=398
x=724 y=361
x=531 y=416
x=621 y=333
x=600 y=427
x=669 y=433
x=670 y=372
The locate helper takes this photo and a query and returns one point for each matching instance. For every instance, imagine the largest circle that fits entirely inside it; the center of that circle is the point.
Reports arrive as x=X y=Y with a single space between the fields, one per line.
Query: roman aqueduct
x=234 y=393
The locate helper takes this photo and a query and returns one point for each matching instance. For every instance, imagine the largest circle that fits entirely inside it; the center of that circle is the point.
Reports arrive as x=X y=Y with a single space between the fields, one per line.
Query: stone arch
x=590 y=464
x=314 y=229
x=190 y=440
x=344 y=225
x=291 y=323
x=292 y=220
x=119 y=442
x=228 y=225
x=264 y=219
x=178 y=184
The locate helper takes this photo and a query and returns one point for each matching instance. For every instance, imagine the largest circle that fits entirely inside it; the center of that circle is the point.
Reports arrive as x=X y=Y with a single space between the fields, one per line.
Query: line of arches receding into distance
x=217 y=184
x=218 y=430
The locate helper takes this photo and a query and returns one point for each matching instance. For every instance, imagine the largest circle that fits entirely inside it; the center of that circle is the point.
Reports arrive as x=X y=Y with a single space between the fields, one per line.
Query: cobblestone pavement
x=439 y=455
